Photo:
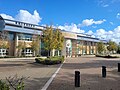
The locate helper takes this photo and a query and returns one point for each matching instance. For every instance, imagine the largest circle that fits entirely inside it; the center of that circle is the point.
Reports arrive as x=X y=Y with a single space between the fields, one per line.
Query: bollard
x=118 y=67
x=77 y=79
x=103 y=71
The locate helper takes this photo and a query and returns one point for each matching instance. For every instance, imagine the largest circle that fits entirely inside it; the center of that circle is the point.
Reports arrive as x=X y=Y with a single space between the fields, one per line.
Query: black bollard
x=77 y=79
x=118 y=67
x=103 y=71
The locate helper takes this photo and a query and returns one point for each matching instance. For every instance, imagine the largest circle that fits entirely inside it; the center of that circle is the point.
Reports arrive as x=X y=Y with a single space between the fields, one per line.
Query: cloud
x=89 y=22
x=71 y=28
x=94 y=26
x=111 y=23
x=7 y=16
x=118 y=16
x=90 y=32
x=113 y=35
x=105 y=5
x=103 y=34
x=25 y=16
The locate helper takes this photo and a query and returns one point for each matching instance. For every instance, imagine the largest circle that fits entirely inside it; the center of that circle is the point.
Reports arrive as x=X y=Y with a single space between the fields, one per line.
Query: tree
x=52 y=39
x=35 y=44
x=21 y=46
x=4 y=40
x=59 y=40
x=100 y=47
x=118 y=51
x=112 y=46
x=118 y=48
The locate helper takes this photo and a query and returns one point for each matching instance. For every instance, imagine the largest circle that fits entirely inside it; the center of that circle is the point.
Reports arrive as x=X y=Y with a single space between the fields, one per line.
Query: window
x=27 y=52
x=3 y=52
x=78 y=42
x=84 y=51
x=11 y=36
x=85 y=42
x=25 y=37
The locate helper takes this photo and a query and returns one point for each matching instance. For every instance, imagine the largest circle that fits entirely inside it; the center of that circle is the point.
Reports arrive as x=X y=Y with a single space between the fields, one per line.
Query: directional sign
x=2 y=23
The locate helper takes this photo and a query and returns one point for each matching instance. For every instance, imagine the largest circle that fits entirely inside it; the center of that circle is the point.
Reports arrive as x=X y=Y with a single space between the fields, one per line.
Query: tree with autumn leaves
x=4 y=40
x=35 y=45
x=52 y=39
x=100 y=47
x=112 y=46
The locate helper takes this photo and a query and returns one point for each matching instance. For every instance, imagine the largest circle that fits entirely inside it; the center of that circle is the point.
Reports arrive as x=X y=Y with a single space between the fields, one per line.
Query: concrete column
x=82 y=47
x=53 y=52
x=58 y=53
x=40 y=47
x=87 y=47
x=63 y=52
x=15 y=44
x=74 y=48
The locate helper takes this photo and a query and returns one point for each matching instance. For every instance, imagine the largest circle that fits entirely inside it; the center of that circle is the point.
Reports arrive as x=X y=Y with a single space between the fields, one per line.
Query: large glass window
x=78 y=42
x=84 y=51
x=11 y=36
x=25 y=37
x=27 y=52
x=68 y=48
x=3 y=52
x=85 y=42
x=57 y=52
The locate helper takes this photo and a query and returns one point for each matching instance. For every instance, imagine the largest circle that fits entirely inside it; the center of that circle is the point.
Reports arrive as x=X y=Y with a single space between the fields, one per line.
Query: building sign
x=69 y=35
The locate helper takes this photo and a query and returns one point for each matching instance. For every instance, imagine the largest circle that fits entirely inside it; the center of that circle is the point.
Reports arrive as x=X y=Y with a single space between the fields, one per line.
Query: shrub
x=13 y=83
x=107 y=56
x=99 y=55
x=4 y=86
x=39 y=60
x=50 y=60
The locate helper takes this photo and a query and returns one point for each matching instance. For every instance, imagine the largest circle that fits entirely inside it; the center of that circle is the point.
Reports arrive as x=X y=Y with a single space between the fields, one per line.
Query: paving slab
x=38 y=74
x=91 y=78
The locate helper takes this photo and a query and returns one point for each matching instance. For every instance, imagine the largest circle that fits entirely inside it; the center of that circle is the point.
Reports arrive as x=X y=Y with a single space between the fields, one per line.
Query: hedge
x=50 y=60
x=107 y=56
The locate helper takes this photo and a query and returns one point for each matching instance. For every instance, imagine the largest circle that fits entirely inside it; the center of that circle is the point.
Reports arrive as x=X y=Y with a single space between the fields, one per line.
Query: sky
x=99 y=18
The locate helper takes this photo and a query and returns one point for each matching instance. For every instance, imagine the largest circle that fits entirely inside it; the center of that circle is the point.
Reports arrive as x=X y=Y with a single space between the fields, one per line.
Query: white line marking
x=51 y=79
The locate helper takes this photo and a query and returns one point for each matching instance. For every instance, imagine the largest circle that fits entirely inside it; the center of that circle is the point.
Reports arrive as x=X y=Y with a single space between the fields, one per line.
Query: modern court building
x=75 y=44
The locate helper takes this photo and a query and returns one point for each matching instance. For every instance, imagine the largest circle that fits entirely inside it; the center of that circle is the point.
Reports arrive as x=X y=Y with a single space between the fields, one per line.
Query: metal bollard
x=77 y=79
x=103 y=71
x=118 y=67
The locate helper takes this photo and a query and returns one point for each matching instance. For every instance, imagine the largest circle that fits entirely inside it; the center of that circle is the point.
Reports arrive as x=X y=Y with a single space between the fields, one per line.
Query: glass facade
x=75 y=43
x=25 y=37
x=68 y=48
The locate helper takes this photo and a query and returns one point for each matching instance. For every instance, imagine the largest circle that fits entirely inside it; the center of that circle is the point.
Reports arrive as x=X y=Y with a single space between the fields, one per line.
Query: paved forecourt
x=91 y=78
x=38 y=74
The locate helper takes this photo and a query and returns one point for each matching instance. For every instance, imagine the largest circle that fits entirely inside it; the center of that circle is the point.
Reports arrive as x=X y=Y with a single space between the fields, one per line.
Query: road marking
x=51 y=79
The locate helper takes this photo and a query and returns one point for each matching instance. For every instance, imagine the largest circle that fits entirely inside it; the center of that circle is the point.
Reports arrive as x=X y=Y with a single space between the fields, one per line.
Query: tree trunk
x=33 y=53
x=48 y=53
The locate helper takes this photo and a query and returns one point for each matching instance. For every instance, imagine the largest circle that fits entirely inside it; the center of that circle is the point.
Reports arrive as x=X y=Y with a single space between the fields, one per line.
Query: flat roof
x=18 y=26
